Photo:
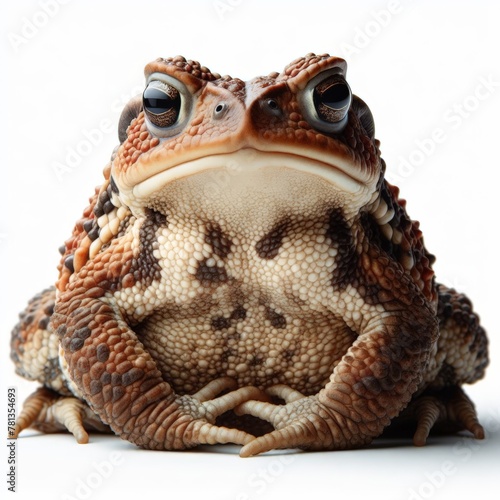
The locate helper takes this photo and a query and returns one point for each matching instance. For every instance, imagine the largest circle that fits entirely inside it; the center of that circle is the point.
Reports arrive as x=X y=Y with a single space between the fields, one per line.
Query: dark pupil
x=157 y=101
x=336 y=96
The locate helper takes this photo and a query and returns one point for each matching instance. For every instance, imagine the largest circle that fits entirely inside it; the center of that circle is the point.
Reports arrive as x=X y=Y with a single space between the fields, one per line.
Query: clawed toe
x=203 y=407
x=264 y=408
x=427 y=413
x=285 y=392
x=207 y=433
x=48 y=412
x=461 y=409
x=220 y=405
x=304 y=434
x=300 y=423
x=449 y=410
x=259 y=409
x=214 y=388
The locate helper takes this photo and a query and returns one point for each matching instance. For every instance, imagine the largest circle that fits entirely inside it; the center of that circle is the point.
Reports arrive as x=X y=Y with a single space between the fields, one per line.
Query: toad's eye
x=332 y=98
x=162 y=104
x=326 y=101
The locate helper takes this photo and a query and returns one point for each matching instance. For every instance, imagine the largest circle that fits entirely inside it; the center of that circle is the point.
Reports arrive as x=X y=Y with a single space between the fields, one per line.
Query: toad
x=246 y=274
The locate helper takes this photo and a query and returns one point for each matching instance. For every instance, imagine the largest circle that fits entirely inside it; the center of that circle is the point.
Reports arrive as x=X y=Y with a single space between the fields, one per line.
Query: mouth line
x=333 y=169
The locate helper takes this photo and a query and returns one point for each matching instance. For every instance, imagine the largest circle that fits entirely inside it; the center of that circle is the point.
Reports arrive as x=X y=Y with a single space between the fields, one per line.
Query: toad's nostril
x=271 y=106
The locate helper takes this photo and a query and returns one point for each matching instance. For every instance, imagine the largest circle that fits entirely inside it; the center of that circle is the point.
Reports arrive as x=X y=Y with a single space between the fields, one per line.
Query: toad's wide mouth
x=248 y=163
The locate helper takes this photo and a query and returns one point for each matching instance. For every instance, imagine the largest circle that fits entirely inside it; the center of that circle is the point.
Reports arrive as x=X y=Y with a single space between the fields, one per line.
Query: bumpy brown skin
x=319 y=314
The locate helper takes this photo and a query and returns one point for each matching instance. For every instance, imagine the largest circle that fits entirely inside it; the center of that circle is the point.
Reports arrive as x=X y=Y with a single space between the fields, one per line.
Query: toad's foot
x=49 y=412
x=448 y=410
x=193 y=421
x=303 y=422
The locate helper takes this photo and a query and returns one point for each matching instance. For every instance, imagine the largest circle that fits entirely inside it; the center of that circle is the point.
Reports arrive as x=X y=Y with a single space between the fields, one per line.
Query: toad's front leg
x=376 y=377
x=119 y=379
x=372 y=383
x=122 y=384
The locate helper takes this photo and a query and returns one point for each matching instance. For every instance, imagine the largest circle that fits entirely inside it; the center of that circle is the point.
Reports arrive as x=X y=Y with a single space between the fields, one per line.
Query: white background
x=415 y=67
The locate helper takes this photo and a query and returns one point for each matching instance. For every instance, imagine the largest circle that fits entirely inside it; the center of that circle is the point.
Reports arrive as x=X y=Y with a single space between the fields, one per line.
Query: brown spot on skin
x=88 y=225
x=49 y=308
x=277 y=320
x=220 y=243
x=104 y=204
x=239 y=313
x=93 y=232
x=220 y=323
x=210 y=274
x=98 y=211
x=68 y=263
x=256 y=361
x=341 y=237
x=82 y=333
x=76 y=341
x=75 y=344
x=95 y=387
x=118 y=393
x=108 y=207
x=227 y=353
x=102 y=353
x=61 y=331
x=116 y=379
x=44 y=323
x=146 y=267
x=132 y=376
x=28 y=319
x=113 y=186
x=268 y=246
